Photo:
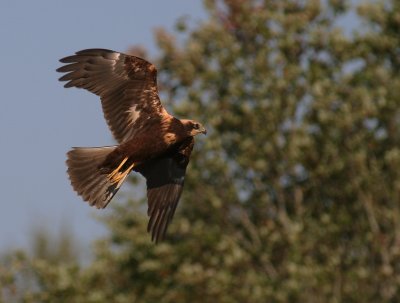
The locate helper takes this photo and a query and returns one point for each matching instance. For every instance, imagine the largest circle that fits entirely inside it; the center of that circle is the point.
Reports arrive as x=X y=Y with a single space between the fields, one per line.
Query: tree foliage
x=294 y=194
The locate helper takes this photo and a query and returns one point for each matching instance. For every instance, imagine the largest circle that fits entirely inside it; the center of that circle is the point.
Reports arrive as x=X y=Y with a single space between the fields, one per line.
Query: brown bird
x=150 y=140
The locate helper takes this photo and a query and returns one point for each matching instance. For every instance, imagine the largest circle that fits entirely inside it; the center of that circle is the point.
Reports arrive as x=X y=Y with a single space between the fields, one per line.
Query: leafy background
x=293 y=196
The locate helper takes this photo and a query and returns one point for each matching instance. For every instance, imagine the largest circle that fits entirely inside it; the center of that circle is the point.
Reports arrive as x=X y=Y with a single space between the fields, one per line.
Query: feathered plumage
x=151 y=141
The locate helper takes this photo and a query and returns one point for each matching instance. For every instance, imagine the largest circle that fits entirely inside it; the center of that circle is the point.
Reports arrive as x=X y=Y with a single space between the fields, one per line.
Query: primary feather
x=151 y=141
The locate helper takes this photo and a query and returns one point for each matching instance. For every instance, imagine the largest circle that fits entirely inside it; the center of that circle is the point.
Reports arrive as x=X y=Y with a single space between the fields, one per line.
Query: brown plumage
x=151 y=141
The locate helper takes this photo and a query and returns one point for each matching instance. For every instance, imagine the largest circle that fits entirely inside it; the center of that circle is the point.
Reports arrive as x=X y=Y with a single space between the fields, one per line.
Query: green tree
x=294 y=194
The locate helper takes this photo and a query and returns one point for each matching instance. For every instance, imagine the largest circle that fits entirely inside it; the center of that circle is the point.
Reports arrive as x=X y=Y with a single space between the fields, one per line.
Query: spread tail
x=97 y=186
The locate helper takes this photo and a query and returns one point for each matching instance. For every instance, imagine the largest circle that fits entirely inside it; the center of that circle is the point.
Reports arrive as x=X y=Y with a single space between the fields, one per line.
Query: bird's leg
x=116 y=175
x=115 y=171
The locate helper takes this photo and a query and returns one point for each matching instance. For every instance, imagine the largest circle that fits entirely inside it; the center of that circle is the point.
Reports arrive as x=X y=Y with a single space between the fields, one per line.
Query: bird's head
x=193 y=128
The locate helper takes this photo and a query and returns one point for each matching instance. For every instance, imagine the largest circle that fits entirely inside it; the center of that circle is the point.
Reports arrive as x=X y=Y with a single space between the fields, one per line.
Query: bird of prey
x=150 y=140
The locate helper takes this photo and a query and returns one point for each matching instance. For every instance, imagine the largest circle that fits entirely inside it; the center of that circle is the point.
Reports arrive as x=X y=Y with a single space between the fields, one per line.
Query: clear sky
x=40 y=120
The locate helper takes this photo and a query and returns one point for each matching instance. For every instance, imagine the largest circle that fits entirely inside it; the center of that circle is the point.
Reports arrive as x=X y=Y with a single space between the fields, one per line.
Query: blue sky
x=40 y=120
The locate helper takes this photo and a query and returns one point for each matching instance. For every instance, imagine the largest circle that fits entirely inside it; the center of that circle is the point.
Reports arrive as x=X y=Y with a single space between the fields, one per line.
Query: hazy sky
x=40 y=120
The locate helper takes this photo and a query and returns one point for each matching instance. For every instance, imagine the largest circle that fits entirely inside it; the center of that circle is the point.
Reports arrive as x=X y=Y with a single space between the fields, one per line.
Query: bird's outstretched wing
x=127 y=86
x=165 y=177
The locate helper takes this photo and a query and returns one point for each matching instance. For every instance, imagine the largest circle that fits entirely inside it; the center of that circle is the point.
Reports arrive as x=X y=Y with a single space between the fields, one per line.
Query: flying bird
x=150 y=140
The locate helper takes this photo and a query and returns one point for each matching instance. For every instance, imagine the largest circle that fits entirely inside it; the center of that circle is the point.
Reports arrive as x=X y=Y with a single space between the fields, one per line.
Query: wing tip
x=162 y=206
x=86 y=52
x=68 y=59
x=94 y=51
x=68 y=84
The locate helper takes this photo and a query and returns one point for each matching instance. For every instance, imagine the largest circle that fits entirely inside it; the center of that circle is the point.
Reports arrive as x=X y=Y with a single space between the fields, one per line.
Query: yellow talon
x=121 y=177
x=118 y=177
x=115 y=171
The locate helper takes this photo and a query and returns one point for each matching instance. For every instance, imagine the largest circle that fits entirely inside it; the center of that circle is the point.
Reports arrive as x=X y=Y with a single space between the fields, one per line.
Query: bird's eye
x=196 y=126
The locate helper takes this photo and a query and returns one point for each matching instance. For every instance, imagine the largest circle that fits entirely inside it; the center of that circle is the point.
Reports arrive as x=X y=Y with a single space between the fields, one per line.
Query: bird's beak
x=204 y=131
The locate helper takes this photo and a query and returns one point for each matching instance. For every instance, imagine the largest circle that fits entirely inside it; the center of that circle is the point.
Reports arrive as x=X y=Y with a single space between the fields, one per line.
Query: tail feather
x=88 y=180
